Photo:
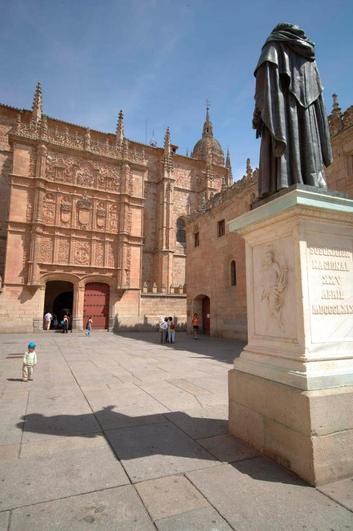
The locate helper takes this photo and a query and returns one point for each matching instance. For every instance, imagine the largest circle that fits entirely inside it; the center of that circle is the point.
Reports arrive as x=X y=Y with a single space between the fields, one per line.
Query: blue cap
x=32 y=344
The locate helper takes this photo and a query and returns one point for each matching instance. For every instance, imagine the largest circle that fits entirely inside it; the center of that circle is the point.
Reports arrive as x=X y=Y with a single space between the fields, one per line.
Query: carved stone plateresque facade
x=82 y=206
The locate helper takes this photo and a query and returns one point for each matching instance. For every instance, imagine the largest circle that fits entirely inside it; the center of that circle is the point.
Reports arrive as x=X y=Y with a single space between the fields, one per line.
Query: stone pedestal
x=291 y=389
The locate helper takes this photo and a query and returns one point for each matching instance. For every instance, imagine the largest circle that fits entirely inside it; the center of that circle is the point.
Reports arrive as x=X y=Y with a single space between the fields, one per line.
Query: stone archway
x=58 y=299
x=202 y=306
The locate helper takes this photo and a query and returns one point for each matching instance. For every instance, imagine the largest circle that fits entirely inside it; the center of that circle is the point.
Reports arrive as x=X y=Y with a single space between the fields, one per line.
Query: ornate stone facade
x=81 y=206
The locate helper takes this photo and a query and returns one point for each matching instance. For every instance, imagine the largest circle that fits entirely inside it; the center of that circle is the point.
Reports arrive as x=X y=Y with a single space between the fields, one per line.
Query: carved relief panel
x=63 y=251
x=99 y=254
x=274 y=290
x=82 y=253
x=45 y=250
x=90 y=174
x=49 y=208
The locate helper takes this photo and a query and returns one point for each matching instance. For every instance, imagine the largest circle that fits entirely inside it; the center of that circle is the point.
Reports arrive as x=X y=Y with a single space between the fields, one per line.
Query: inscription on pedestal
x=331 y=290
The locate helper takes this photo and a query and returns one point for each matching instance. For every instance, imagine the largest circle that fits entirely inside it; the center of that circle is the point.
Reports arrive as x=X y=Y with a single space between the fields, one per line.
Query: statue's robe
x=291 y=118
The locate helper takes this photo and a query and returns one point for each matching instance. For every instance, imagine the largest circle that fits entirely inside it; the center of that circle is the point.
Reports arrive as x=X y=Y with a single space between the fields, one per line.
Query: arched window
x=180 y=231
x=233 y=273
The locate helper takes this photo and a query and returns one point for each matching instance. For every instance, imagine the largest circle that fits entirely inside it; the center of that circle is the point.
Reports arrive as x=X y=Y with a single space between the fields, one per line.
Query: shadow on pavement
x=220 y=349
x=152 y=435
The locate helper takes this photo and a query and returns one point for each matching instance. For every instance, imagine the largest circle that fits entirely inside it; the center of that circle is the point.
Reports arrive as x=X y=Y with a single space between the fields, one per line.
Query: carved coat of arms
x=84 y=207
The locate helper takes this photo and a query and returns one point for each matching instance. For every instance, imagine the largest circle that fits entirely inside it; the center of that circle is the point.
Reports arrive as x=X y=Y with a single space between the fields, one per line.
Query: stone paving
x=122 y=433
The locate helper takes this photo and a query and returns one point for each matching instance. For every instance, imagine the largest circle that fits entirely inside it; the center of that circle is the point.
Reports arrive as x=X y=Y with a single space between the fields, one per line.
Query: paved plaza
x=120 y=432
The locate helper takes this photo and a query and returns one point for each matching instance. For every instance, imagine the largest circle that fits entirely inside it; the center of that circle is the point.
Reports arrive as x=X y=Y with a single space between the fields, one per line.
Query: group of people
x=167 y=330
x=51 y=321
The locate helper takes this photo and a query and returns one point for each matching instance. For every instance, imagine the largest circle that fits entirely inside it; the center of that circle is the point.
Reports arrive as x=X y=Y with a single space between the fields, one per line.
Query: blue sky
x=159 y=60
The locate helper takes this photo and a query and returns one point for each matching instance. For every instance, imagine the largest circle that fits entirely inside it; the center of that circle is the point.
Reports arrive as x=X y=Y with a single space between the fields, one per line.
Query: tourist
x=55 y=322
x=171 y=330
x=89 y=326
x=29 y=360
x=65 y=323
x=166 y=336
x=163 y=328
x=47 y=320
x=195 y=325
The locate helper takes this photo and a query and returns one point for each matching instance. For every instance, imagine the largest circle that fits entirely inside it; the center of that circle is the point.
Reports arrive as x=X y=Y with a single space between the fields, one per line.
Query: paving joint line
x=24 y=425
x=333 y=499
x=211 y=504
x=51 y=500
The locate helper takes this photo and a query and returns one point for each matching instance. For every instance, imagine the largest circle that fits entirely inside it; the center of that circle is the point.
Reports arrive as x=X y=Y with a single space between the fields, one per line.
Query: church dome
x=208 y=146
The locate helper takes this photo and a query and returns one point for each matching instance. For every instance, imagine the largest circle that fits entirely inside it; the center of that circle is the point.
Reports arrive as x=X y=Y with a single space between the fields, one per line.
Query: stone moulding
x=62 y=137
x=297 y=197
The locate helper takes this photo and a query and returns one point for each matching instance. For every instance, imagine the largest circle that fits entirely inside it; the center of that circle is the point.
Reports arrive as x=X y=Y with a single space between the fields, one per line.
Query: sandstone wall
x=208 y=265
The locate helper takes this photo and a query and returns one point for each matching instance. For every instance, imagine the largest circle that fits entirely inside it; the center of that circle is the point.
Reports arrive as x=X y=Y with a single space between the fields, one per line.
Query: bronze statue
x=289 y=113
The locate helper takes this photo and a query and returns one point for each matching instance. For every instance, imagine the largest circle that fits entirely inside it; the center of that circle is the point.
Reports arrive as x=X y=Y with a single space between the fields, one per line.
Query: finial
x=120 y=129
x=248 y=168
x=207 y=110
x=37 y=104
x=168 y=161
x=207 y=126
x=187 y=152
x=167 y=140
x=335 y=105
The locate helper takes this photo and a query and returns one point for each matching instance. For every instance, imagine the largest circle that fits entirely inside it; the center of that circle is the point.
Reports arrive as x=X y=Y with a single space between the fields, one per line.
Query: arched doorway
x=58 y=298
x=202 y=306
x=96 y=304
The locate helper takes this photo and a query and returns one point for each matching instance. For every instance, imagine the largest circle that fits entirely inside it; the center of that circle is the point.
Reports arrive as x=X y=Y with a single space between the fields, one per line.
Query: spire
x=228 y=163
x=37 y=104
x=167 y=142
x=168 y=162
x=207 y=126
x=120 y=129
x=229 y=168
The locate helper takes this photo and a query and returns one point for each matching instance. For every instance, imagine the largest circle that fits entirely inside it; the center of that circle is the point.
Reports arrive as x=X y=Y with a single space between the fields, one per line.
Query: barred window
x=180 y=231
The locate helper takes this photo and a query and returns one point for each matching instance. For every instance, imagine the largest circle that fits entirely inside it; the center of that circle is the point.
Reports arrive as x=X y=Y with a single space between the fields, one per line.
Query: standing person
x=195 y=325
x=69 y=316
x=55 y=322
x=163 y=327
x=89 y=326
x=171 y=330
x=65 y=324
x=166 y=335
x=29 y=360
x=47 y=320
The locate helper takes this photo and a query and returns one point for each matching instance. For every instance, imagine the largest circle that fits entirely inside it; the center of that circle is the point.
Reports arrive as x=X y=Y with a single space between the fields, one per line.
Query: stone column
x=77 y=311
x=291 y=389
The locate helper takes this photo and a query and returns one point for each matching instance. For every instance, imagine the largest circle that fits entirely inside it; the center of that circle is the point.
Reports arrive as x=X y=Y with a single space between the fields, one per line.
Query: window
x=196 y=239
x=221 y=228
x=180 y=231
x=233 y=273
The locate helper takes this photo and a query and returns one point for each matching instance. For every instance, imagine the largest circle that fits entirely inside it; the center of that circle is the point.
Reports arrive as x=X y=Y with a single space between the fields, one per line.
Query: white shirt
x=48 y=316
x=30 y=358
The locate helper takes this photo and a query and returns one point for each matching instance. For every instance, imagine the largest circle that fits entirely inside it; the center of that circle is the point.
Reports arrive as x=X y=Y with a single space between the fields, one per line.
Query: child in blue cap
x=29 y=361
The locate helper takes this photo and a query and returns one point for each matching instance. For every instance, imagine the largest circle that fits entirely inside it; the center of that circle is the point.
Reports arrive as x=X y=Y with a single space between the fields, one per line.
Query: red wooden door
x=206 y=320
x=96 y=304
